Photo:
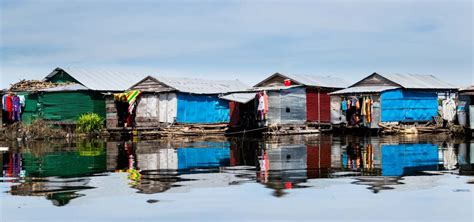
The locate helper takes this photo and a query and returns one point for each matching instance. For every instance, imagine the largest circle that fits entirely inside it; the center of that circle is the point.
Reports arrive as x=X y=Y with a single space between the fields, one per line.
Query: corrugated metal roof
x=416 y=81
x=202 y=86
x=469 y=88
x=321 y=81
x=71 y=87
x=239 y=97
x=273 y=88
x=364 y=89
x=101 y=80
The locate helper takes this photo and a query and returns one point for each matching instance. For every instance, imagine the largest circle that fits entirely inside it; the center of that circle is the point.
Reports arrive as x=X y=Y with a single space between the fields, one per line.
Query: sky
x=246 y=40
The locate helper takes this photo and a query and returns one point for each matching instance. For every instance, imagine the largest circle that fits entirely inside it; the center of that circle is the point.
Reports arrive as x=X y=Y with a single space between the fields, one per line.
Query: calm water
x=324 y=178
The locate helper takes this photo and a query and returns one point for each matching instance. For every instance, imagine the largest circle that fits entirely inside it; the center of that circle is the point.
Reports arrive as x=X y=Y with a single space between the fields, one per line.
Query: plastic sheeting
x=408 y=159
x=202 y=109
x=408 y=105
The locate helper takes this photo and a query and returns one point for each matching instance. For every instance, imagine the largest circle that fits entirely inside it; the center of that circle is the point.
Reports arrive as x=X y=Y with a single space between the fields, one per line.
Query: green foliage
x=89 y=123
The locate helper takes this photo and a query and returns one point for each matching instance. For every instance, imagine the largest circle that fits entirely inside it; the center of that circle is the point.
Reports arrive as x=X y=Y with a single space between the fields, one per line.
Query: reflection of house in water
x=466 y=159
x=162 y=167
x=282 y=167
x=409 y=159
x=59 y=174
x=361 y=157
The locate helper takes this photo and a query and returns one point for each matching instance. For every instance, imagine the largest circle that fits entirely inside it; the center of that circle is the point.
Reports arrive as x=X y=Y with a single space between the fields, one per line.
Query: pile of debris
x=34 y=85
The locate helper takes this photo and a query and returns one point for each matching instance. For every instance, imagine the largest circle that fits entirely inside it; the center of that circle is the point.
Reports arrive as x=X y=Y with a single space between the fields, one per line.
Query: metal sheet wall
x=471 y=116
x=168 y=107
x=202 y=109
x=287 y=106
x=408 y=105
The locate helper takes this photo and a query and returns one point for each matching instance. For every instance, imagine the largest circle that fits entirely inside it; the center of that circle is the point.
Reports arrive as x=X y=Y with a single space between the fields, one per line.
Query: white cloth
x=22 y=100
x=449 y=158
x=261 y=103
x=449 y=109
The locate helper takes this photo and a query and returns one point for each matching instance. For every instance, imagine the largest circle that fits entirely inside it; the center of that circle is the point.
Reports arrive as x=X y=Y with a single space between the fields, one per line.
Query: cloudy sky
x=238 y=39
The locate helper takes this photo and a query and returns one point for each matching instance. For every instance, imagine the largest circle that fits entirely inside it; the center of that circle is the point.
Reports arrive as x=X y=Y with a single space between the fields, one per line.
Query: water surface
x=326 y=178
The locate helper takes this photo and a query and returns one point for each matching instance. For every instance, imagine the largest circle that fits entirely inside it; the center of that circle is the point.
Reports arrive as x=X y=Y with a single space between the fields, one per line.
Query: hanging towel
x=362 y=111
x=449 y=109
x=344 y=105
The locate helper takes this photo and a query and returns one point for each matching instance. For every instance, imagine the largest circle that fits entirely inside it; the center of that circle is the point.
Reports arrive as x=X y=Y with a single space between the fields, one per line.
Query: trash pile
x=34 y=85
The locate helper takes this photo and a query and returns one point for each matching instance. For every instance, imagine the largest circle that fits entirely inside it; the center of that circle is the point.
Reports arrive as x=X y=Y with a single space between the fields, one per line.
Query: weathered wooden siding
x=151 y=85
x=287 y=106
x=315 y=109
x=111 y=118
x=168 y=107
x=375 y=80
x=148 y=111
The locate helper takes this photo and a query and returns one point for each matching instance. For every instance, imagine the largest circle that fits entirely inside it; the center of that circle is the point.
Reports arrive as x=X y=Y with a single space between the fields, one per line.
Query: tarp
x=202 y=109
x=408 y=159
x=409 y=105
x=240 y=97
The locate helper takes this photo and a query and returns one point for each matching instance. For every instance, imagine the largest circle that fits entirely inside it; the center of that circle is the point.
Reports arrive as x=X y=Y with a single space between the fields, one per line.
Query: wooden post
x=319 y=109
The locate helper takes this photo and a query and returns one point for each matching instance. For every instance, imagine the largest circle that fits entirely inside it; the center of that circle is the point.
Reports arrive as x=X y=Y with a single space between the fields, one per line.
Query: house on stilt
x=291 y=104
x=179 y=105
x=392 y=99
x=65 y=94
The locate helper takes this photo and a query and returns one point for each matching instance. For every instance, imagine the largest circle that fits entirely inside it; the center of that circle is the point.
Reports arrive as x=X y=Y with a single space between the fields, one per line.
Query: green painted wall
x=62 y=106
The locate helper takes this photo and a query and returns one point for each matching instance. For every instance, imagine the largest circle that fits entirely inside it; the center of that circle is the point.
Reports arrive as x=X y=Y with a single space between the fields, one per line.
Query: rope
x=245 y=131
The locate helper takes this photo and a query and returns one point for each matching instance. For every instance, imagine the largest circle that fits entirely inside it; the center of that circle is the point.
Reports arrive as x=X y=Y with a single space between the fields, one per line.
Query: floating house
x=166 y=101
x=296 y=100
x=466 y=107
x=78 y=91
x=390 y=98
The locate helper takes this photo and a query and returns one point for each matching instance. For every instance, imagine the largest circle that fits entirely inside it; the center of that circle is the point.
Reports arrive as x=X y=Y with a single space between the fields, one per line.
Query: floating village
x=149 y=106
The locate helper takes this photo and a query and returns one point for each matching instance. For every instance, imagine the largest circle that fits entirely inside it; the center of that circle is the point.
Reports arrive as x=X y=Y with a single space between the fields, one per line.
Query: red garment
x=8 y=104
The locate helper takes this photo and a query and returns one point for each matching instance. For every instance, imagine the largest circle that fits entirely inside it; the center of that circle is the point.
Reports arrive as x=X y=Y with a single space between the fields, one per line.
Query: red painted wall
x=234 y=114
x=312 y=106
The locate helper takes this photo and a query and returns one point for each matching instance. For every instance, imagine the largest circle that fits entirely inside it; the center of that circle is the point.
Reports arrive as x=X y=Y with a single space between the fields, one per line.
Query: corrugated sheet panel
x=203 y=86
x=408 y=159
x=318 y=157
x=416 y=81
x=321 y=81
x=314 y=107
x=471 y=117
x=337 y=116
x=287 y=106
x=408 y=106
x=97 y=79
x=363 y=89
x=202 y=109
x=68 y=106
x=239 y=97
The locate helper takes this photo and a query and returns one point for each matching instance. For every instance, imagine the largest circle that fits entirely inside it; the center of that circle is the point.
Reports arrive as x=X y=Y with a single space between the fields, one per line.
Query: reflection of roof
x=239 y=97
x=416 y=81
x=202 y=86
x=364 y=89
x=100 y=80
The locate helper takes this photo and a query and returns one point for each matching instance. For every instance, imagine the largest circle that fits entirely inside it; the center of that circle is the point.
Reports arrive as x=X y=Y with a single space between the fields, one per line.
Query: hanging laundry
x=22 y=100
x=348 y=103
x=344 y=105
x=16 y=108
x=357 y=104
x=449 y=109
x=363 y=107
x=369 y=110
x=354 y=101
x=265 y=100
